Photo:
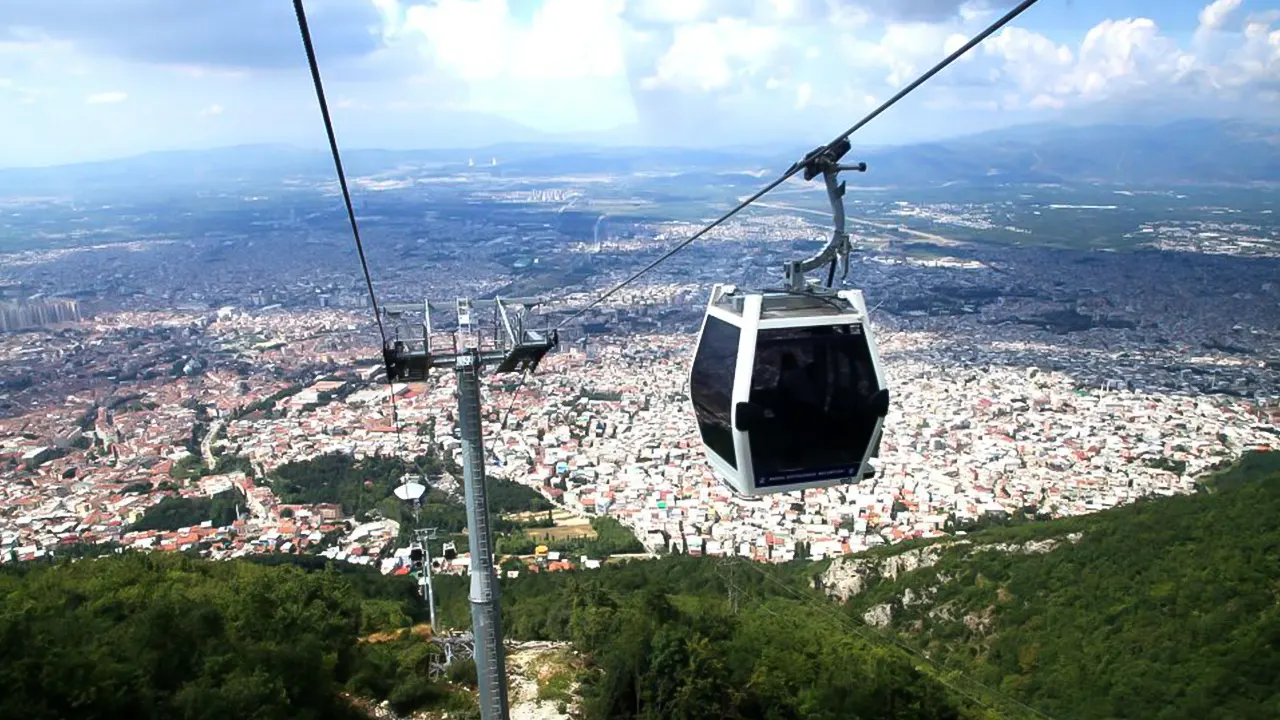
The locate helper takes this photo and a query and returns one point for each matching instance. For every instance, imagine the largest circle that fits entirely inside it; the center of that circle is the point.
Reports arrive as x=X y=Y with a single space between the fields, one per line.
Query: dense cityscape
x=1025 y=377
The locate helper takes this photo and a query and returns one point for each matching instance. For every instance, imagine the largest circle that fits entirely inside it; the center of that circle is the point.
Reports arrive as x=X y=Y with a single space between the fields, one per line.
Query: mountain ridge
x=1178 y=152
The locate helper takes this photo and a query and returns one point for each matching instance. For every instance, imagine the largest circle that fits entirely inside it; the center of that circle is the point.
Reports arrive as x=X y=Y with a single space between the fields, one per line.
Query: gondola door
x=809 y=398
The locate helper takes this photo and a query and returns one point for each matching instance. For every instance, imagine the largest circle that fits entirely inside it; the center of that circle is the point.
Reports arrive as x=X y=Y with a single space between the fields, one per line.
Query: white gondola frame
x=743 y=479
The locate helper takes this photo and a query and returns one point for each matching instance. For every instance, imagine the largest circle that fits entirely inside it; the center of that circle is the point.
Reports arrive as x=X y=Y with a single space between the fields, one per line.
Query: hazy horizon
x=577 y=143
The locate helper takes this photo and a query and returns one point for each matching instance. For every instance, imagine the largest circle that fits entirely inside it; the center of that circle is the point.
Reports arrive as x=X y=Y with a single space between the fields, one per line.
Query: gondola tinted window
x=814 y=386
x=711 y=386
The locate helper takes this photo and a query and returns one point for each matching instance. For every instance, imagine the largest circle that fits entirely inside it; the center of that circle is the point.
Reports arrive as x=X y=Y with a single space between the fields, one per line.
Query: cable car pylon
x=514 y=348
x=420 y=560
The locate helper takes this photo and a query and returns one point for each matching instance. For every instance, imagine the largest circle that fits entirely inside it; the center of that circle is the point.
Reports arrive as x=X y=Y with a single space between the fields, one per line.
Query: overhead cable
x=337 y=160
x=346 y=196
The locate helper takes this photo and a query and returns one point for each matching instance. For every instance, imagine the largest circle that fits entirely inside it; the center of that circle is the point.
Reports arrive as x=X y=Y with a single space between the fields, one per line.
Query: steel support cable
x=346 y=195
x=337 y=160
x=797 y=167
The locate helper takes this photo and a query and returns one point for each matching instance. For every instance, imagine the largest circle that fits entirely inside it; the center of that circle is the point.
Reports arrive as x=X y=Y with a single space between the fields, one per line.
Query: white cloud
x=849 y=17
x=214 y=109
x=954 y=42
x=480 y=40
x=976 y=12
x=784 y=8
x=1119 y=55
x=670 y=11
x=736 y=56
x=1046 y=102
x=1213 y=14
x=1023 y=46
x=105 y=98
x=803 y=93
x=904 y=49
x=710 y=56
x=1033 y=63
x=1119 y=60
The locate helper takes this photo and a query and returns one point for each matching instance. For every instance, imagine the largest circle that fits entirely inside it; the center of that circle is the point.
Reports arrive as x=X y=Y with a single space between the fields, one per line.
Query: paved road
x=206 y=445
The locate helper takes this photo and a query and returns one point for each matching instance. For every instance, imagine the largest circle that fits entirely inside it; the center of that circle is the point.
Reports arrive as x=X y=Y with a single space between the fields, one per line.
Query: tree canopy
x=173 y=513
x=1163 y=609
x=339 y=478
x=167 y=636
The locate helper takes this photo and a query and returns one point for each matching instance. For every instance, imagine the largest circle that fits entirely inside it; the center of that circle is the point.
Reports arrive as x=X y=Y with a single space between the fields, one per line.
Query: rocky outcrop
x=1032 y=547
x=945 y=611
x=981 y=622
x=848 y=577
x=911 y=597
x=879 y=615
x=529 y=665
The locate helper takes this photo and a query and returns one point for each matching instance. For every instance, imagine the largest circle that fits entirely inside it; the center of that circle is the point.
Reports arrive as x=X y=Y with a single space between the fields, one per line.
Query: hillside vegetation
x=664 y=641
x=1161 y=610
x=168 y=636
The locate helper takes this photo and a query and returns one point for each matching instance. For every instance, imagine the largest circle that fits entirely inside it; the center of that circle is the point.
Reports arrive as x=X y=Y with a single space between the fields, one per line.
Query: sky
x=95 y=79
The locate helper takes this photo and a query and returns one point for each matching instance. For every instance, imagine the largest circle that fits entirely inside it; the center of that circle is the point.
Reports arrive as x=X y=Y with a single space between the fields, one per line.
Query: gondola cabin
x=788 y=389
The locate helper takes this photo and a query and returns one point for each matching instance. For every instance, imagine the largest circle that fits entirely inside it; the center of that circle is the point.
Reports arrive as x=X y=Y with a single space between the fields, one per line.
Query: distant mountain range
x=1185 y=151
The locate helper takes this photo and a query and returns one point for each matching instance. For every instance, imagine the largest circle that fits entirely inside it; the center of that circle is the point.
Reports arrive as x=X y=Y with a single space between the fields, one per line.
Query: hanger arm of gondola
x=827 y=163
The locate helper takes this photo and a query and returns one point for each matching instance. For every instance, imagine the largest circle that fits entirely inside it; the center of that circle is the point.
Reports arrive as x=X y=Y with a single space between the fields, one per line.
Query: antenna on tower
x=411 y=491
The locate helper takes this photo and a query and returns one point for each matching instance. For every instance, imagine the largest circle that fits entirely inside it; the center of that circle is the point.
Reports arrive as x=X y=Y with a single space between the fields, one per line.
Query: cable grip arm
x=827 y=163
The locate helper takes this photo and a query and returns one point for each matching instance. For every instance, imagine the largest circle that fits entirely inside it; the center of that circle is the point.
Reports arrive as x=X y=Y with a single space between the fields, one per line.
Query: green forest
x=173 y=513
x=168 y=636
x=612 y=538
x=363 y=486
x=1167 y=608
x=357 y=485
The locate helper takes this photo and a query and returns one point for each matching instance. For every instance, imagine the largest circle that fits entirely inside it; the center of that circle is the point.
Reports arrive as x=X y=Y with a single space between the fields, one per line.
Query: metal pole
x=431 y=591
x=486 y=618
x=424 y=536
